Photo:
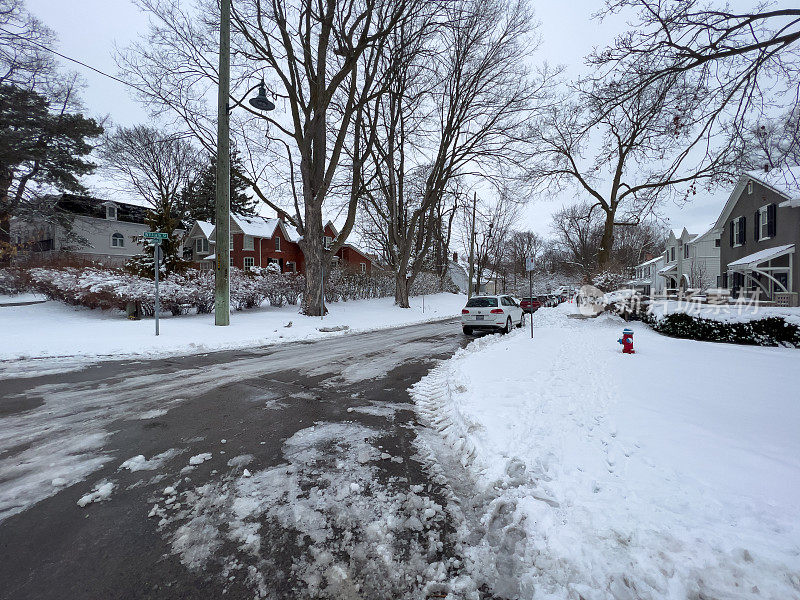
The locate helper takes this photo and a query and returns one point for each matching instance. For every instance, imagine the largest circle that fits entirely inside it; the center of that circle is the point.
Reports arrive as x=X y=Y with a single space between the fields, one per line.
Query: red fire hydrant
x=627 y=341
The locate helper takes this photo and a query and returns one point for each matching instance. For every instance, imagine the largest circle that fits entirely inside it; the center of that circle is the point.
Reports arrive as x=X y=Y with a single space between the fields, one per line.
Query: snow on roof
x=651 y=261
x=672 y=267
x=205 y=227
x=255 y=226
x=762 y=255
x=785 y=181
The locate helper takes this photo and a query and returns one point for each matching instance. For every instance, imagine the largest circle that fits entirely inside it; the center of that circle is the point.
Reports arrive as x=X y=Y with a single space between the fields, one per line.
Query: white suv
x=491 y=312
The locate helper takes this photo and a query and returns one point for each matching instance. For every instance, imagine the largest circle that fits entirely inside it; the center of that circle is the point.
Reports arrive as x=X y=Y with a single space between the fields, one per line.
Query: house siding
x=787 y=230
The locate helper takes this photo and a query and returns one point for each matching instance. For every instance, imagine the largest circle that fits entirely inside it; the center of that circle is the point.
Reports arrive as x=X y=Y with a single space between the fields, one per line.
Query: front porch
x=766 y=272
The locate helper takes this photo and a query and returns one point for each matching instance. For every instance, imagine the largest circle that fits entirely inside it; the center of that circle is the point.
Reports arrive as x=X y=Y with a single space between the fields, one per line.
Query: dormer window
x=201 y=245
x=327 y=242
x=111 y=212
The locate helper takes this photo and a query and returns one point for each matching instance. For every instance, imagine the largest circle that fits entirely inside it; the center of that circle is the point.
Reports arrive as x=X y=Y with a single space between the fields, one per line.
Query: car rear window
x=526 y=299
x=482 y=302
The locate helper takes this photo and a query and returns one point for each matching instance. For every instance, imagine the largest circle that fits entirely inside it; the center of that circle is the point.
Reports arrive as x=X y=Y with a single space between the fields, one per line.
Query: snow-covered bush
x=11 y=281
x=767 y=331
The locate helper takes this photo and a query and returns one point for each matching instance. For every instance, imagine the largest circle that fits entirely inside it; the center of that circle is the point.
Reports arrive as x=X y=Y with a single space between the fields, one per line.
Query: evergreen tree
x=200 y=195
x=40 y=149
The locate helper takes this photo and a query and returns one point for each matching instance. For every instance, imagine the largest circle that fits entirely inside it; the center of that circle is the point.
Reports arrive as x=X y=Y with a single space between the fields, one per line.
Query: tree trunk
x=5 y=217
x=606 y=242
x=315 y=258
x=401 y=289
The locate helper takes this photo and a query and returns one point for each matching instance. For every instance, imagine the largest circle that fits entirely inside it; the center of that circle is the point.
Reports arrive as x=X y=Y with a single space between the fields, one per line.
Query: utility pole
x=472 y=246
x=222 y=284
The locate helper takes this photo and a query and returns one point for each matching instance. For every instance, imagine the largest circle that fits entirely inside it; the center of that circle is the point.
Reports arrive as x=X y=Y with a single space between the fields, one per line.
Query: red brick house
x=258 y=241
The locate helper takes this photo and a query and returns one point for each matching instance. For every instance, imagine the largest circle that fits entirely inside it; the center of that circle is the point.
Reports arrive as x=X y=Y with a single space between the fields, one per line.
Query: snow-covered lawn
x=671 y=473
x=725 y=313
x=54 y=330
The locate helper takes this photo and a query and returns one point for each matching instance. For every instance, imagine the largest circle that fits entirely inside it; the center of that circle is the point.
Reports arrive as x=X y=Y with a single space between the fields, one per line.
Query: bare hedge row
x=194 y=290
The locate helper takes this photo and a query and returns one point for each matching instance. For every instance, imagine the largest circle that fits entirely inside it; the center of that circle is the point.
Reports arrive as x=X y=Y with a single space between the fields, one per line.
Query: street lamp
x=261 y=102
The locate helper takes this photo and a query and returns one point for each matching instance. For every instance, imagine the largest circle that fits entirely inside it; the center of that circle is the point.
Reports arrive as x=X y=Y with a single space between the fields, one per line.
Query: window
x=749 y=187
x=481 y=302
x=291 y=267
x=249 y=261
x=327 y=242
x=363 y=267
x=231 y=243
x=765 y=222
x=686 y=251
x=117 y=240
x=672 y=253
x=201 y=245
x=248 y=243
x=277 y=244
x=716 y=243
x=111 y=212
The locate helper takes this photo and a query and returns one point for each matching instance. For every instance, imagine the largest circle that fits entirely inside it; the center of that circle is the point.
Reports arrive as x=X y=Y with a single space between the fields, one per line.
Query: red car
x=530 y=305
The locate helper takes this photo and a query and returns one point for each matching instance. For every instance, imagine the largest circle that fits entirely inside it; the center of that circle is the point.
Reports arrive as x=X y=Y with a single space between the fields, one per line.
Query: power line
x=75 y=60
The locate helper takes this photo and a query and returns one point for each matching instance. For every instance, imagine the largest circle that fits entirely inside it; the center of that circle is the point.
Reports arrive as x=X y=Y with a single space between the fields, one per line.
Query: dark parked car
x=530 y=305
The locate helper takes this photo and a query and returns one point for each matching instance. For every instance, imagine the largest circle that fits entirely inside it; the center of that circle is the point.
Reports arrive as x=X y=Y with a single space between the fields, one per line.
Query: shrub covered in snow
x=766 y=331
x=11 y=281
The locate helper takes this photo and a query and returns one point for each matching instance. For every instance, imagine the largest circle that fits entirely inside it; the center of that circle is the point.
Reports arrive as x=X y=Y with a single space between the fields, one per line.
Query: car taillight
x=464 y=311
x=497 y=311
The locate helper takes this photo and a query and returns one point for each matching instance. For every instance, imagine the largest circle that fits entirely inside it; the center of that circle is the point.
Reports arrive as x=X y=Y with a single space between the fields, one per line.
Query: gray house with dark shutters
x=759 y=231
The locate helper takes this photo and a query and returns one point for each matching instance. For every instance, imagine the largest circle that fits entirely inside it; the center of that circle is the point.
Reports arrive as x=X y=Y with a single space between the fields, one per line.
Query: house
x=646 y=279
x=760 y=231
x=691 y=261
x=101 y=230
x=259 y=241
x=198 y=247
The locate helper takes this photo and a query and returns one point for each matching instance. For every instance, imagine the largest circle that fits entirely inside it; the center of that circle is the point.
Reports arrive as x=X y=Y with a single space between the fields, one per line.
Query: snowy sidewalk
x=56 y=331
x=672 y=473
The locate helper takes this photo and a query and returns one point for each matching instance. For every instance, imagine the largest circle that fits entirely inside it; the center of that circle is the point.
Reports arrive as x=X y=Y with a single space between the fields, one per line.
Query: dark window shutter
x=772 y=215
x=730 y=230
x=743 y=230
x=756 y=224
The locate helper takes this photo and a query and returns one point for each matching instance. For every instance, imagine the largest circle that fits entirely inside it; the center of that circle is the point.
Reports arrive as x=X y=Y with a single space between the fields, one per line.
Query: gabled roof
x=96 y=207
x=205 y=227
x=255 y=226
x=784 y=182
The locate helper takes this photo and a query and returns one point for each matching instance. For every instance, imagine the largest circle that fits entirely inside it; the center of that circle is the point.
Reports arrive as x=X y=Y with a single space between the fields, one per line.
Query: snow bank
x=728 y=313
x=672 y=473
x=53 y=330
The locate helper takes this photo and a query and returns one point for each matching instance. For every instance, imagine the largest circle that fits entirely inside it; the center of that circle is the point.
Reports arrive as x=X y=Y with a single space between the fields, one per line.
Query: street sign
x=529 y=263
x=156 y=235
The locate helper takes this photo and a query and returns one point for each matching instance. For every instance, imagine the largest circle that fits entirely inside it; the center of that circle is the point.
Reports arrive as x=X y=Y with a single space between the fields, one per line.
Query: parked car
x=497 y=313
x=530 y=305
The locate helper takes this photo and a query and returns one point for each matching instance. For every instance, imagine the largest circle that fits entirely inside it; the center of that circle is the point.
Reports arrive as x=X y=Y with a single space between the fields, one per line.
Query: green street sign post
x=158 y=254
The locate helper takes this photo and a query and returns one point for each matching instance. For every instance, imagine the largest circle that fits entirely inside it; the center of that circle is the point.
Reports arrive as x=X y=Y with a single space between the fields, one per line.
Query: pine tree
x=41 y=148
x=200 y=196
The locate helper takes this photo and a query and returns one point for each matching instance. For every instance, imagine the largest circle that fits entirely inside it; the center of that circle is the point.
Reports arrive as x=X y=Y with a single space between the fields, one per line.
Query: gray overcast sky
x=89 y=29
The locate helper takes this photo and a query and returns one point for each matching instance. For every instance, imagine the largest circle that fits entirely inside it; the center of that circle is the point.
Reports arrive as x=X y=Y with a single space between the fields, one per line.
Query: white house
x=101 y=230
x=646 y=279
x=690 y=260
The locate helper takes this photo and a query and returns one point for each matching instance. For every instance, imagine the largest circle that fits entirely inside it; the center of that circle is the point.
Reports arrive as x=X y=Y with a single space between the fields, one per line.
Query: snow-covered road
x=672 y=473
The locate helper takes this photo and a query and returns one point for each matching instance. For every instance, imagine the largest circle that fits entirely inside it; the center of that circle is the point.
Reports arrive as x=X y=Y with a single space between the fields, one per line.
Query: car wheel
x=507 y=328
x=467 y=330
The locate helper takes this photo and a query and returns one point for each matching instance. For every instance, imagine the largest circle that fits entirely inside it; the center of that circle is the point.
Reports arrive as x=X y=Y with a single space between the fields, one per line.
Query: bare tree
x=155 y=167
x=743 y=66
x=23 y=61
x=577 y=232
x=459 y=95
x=641 y=151
x=321 y=58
